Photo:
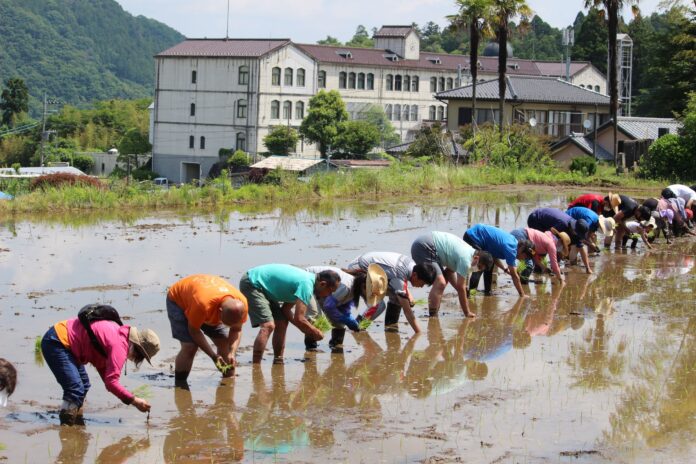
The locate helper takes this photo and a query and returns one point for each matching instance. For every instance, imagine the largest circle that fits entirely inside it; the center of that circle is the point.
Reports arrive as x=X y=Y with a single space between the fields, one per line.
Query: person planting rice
x=595 y=222
x=200 y=305
x=624 y=209
x=106 y=344
x=339 y=306
x=546 y=219
x=272 y=290
x=453 y=259
x=594 y=201
x=502 y=246
x=400 y=270
x=8 y=380
x=550 y=243
x=638 y=230
x=685 y=193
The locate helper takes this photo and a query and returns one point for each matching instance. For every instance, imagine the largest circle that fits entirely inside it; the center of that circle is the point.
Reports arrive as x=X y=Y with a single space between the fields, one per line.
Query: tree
x=504 y=11
x=326 y=111
x=612 y=9
x=357 y=137
x=476 y=16
x=134 y=142
x=430 y=142
x=376 y=116
x=14 y=100
x=591 y=40
x=281 y=140
x=431 y=38
x=361 y=38
x=329 y=40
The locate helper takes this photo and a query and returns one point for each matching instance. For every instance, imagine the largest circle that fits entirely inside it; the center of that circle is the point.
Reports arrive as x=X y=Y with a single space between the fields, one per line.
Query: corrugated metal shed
x=647 y=128
x=585 y=143
x=287 y=164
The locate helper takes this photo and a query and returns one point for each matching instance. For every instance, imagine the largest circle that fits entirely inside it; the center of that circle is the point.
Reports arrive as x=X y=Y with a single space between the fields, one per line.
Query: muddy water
x=601 y=370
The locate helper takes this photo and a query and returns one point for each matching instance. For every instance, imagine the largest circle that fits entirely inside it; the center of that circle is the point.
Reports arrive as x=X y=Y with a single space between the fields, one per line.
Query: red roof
x=225 y=47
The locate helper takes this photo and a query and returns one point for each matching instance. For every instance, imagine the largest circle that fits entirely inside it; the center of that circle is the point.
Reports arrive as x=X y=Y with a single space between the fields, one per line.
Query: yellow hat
x=615 y=201
x=377 y=283
x=564 y=239
x=607 y=225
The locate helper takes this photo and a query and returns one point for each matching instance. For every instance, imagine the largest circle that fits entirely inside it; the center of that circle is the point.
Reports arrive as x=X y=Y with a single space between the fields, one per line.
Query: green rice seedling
x=224 y=368
x=2 y=447
x=38 y=354
x=364 y=324
x=143 y=391
x=322 y=323
x=37 y=344
x=419 y=301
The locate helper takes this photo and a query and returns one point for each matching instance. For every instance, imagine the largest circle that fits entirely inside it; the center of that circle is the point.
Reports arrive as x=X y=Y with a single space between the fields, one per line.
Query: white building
x=228 y=93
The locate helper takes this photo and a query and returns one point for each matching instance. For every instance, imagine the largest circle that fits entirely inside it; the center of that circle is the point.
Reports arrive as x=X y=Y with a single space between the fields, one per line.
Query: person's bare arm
x=408 y=312
x=202 y=343
x=644 y=237
x=233 y=338
x=461 y=287
x=300 y=321
x=516 y=280
x=585 y=260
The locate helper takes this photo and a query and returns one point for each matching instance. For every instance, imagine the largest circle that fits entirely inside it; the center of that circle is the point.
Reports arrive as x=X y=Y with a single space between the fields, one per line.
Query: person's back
x=395 y=265
x=283 y=282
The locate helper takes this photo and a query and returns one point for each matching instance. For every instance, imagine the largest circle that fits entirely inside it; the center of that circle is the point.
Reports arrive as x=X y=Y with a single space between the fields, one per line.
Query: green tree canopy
x=329 y=40
x=326 y=112
x=357 y=137
x=281 y=140
x=134 y=142
x=361 y=38
x=14 y=100
x=376 y=116
x=591 y=40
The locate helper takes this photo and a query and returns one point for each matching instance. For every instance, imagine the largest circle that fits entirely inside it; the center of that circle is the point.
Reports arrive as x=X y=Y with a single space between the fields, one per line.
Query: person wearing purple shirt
x=545 y=219
x=502 y=246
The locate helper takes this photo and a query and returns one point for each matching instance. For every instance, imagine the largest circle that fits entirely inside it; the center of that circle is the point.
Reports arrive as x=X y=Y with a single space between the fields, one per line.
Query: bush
x=62 y=179
x=514 y=148
x=584 y=165
x=141 y=174
x=239 y=159
x=82 y=162
x=667 y=159
x=281 y=140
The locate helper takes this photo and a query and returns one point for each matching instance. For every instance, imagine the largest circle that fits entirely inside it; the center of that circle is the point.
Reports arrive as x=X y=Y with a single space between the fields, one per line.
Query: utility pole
x=44 y=133
x=568 y=41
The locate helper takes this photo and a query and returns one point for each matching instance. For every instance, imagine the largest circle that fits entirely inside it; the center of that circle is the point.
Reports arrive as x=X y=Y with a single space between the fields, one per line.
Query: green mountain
x=80 y=50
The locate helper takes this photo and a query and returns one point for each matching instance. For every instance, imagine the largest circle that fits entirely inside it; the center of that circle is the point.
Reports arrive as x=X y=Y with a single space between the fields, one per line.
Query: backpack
x=97 y=312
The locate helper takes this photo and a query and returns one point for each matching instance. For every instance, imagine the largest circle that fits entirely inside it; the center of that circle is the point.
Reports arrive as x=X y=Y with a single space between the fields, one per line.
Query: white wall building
x=228 y=93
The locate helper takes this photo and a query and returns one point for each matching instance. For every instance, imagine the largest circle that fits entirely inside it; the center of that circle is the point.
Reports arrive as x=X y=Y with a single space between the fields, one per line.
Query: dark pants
x=71 y=375
x=476 y=276
x=521 y=234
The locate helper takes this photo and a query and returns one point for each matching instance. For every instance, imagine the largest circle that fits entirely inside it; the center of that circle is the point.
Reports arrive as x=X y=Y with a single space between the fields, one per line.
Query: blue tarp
x=5 y=196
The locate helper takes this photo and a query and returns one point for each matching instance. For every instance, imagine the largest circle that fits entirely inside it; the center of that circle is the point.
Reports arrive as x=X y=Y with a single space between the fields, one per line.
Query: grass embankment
x=366 y=184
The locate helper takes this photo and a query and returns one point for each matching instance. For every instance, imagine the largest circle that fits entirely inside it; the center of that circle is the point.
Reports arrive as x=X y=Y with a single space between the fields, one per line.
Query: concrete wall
x=591 y=78
x=567 y=154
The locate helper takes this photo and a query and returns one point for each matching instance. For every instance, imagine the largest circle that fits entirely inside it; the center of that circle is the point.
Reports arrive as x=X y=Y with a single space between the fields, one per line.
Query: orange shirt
x=61 y=329
x=200 y=296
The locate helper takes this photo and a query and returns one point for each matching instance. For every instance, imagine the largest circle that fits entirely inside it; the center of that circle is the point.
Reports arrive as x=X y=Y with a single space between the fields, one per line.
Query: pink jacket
x=114 y=339
x=544 y=244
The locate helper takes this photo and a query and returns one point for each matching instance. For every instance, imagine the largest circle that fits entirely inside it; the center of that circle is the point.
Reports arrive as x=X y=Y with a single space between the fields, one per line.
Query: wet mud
x=601 y=370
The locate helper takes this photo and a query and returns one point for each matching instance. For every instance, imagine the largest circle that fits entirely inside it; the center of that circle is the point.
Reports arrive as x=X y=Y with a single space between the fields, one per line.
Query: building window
x=242 y=109
x=194 y=77
x=351 y=80
x=299 y=110
x=192 y=141
x=397 y=112
x=342 y=80
x=450 y=82
x=192 y=109
x=582 y=86
x=388 y=111
x=431 y=112
x=390 y=82
x=407 y=83
x=241 y=141
x=361 y=81
x=440 y=113
x=202 y=143
x=414 y=112
x=243 y=75
x=288 y=76
x=287 y=109
x=275 y=76
x=370 y=81
x=596 y=88
x=321 y=79
x=397 y=82
x=441 y=84
x=405 y=114
x=433 y=84
x=275 y=109
x=300 y=77
x=414 y=84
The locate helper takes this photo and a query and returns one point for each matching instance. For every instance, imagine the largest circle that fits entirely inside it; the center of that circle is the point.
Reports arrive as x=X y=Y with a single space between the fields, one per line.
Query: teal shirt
x=283 y=282
x=453 y=252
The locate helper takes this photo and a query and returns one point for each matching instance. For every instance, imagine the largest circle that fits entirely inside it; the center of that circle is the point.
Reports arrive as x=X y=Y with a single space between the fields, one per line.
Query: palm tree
x=504 y=11
x=612 y=8
x=474 y=15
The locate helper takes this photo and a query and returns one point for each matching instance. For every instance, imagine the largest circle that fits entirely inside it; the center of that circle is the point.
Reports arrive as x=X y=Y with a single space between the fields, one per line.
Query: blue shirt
x=500 y=244
x=283 y=282
x=580 y=212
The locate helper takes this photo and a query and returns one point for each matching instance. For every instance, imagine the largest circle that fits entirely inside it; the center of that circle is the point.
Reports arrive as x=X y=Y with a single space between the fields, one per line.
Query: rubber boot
x=310 y=345
x=336 y=342
x=391 y=317
x=181 y=380
x=68 y=414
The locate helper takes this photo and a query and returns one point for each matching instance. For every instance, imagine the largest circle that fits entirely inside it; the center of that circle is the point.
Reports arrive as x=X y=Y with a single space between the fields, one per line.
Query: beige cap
x=376 y=284
x=147 y=341
x=607 y=225
x=564 y=239
x=615 y=201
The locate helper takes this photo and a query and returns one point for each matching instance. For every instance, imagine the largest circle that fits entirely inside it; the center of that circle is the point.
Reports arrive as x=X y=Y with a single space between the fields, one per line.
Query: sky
x=311 y=20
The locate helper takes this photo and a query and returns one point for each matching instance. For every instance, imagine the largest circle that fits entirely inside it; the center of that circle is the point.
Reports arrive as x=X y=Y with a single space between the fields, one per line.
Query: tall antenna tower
x=568 y=42
x=624 y=63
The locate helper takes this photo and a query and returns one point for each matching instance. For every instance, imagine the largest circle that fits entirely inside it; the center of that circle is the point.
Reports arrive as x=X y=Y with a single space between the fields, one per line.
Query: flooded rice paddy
x=601 y=370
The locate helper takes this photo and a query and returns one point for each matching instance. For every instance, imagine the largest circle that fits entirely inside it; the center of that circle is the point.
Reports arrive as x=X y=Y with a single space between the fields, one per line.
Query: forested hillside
x=80 y=50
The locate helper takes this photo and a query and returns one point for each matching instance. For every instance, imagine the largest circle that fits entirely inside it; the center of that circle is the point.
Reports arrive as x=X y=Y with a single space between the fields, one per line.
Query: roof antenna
x=227 y=30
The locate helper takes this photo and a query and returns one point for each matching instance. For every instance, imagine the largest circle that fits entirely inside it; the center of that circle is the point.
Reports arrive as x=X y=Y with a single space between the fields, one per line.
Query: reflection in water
x=74 y=442
x=211 y=435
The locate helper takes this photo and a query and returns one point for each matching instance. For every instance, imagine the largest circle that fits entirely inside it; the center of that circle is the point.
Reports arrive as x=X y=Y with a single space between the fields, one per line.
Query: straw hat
x=649 y=223
x=564 y=240
x=377 y=283
x=615 y=201
x=607 y=225
x=147 y=341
